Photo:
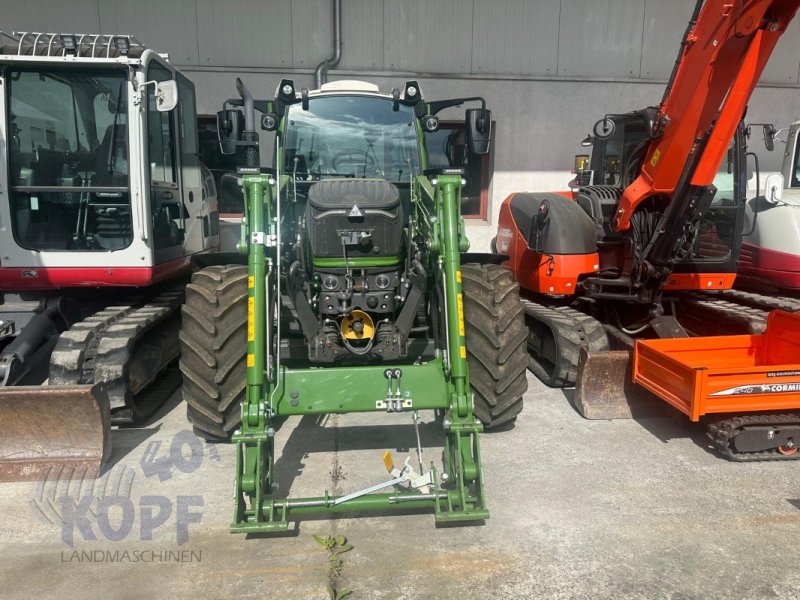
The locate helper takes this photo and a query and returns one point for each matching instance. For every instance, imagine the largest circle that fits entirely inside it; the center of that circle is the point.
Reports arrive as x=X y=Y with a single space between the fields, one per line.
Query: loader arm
x=726 y=47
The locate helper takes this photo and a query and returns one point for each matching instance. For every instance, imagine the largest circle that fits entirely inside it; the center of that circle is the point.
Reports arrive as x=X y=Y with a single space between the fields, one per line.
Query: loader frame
x=275 y=391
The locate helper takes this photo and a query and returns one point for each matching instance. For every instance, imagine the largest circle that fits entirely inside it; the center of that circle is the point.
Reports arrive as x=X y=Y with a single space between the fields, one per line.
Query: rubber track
x=495 y=336
x=571 y=330
x=761 y=301
x=214 y=349
x=723 y=431
x=100 y=348
x=755 y=318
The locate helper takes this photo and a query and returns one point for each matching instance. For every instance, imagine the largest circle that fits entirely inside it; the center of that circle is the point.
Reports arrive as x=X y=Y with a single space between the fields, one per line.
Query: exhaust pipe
x=249 y=134
x=321 y=72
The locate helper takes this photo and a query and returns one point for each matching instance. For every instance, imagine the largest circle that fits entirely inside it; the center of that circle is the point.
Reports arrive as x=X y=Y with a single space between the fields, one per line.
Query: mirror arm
x=440 y=105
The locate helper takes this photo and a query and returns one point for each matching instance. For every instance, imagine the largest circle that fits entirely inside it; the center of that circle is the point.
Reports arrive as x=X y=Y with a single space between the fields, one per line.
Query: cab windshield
x=351 y=136
x=68 y=158
x=796 y=167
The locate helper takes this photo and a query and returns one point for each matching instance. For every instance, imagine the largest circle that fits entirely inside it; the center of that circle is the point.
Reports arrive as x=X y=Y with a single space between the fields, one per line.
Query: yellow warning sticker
x=460 y=302
x=656 y=156
x=251 y=360
x=463 y=352
x=251 y=319
x=458 y=276
x=251 y=281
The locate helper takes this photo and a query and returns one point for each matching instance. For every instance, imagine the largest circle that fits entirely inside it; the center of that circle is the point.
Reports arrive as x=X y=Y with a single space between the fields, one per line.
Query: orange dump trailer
x=725 y=374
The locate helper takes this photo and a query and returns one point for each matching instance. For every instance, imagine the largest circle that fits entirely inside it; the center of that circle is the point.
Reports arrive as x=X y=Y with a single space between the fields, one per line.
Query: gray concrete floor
x=580 y=509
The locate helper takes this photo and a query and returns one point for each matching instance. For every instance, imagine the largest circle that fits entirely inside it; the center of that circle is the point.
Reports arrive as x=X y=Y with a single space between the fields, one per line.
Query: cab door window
x=163 y=149
x=161 y=137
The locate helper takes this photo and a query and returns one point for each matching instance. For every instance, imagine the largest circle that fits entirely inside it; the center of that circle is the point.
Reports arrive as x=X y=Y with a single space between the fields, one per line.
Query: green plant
x=336 y=546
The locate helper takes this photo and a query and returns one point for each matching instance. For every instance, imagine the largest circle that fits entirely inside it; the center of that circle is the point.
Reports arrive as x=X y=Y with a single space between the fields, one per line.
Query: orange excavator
x=615 y=269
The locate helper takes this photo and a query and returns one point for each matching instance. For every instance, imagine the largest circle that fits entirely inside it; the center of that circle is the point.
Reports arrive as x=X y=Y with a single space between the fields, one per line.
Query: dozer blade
x=604 y=388
x=46 y=427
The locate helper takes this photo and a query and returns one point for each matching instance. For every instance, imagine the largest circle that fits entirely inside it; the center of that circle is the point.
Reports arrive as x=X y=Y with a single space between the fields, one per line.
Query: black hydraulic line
x=15 y=360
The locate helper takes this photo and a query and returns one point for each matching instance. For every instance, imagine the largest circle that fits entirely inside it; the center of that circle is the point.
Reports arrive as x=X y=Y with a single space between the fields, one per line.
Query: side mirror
x=769 y=136
x=166 y=95
x=479 y=130
x=230 y=125
x=773 y=188
x=604 y=128
x=539 y=223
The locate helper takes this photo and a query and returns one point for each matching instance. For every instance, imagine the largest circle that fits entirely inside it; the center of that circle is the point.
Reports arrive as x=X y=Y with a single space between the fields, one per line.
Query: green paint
x=358 y=262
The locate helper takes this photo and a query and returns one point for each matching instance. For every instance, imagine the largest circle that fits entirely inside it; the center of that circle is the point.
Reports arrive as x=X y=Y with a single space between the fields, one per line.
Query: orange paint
x=700 y=281
x=539 y=274
x=725 y=374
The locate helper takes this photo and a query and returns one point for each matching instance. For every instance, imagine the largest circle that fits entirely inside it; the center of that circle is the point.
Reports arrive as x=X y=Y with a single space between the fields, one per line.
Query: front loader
x=353 y=298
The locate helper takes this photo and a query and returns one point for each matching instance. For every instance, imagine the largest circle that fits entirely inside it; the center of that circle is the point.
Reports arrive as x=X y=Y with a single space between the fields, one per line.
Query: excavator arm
x=726 y=47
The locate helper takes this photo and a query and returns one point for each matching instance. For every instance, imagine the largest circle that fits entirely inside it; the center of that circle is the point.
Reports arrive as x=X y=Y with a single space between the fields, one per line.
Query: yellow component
x=251 y=360
x=251 y=319
x=460 y=303
x=656 y=156
x=251 y=281
x=387 y=460
x=463 y=352
x=353 y=319
x=458 y=276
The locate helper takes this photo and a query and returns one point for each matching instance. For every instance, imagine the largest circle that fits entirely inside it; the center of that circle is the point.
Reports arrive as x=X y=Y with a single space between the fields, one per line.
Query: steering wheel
x=360 y=162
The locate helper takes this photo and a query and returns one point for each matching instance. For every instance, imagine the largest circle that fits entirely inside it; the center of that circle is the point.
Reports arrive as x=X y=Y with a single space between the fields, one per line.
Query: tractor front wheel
x=496 y=343
x=214 y=350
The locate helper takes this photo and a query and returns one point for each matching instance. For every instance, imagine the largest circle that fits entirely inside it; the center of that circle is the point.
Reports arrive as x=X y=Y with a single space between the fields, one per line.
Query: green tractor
x=354 y=298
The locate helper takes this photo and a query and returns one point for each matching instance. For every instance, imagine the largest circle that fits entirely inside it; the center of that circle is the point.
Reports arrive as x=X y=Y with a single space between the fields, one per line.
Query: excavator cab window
x=68 y=158
x=165 y=198
x=716 y=236
x=610 y=156
x=796 y=167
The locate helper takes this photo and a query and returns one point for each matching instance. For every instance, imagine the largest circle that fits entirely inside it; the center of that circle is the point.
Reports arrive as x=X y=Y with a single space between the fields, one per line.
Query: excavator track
x=122 y=347
x=761 y=301
x=701 y=311
x=556 y=335
x=723 y=433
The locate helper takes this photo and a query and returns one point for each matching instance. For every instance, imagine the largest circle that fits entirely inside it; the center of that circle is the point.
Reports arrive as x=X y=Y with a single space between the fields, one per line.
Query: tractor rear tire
x=496 y=343
x=214 y=350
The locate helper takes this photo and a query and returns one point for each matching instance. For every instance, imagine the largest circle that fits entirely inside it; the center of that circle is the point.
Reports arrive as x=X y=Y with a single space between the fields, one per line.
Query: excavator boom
x=726 y=48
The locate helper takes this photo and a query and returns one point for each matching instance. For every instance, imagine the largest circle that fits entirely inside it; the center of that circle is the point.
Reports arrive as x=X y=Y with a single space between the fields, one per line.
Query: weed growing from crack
x=336 y=546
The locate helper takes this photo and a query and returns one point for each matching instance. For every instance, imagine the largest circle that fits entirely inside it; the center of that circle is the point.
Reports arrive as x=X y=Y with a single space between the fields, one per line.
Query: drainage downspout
x=321 y=72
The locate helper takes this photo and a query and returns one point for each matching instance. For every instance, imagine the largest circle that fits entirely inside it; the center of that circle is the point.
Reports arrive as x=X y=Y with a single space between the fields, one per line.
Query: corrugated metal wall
x=581 y=39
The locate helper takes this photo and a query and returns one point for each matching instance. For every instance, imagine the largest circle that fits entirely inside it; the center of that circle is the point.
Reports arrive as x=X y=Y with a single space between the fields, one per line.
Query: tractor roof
x=349 y=85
